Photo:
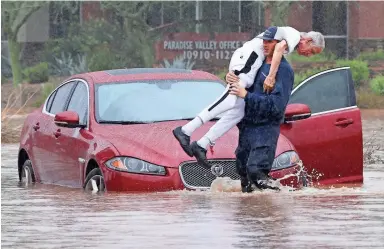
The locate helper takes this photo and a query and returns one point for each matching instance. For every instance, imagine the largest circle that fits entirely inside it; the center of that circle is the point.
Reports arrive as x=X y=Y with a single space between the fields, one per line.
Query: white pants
x=231 y=105
x=233 y=109
x=247 y=60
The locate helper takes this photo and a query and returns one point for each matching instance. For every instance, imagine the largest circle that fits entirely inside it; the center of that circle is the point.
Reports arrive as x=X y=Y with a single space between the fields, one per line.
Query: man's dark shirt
x=268 y=109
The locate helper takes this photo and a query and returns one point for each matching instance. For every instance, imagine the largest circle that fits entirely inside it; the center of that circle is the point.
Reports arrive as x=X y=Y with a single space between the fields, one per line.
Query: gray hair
x=317 y=38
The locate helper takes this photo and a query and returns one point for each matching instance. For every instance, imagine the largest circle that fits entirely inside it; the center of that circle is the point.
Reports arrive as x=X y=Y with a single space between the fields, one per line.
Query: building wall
x=367 y=19
x=90 y=10
x=36 y=29
x=300 y=16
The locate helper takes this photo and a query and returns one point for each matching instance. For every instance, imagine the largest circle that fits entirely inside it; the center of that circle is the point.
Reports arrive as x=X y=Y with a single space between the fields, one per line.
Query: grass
x=367 y=99
x=10 y=132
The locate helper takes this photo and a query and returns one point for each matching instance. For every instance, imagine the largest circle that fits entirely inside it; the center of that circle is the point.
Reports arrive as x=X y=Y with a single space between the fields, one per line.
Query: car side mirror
x=295 y=112
x=68 y=119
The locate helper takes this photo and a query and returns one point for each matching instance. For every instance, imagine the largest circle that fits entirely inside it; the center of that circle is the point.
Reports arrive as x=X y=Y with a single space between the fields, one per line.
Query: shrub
x=103 y=59
x=377 y=85
x=371 y=56
x=179 y=62
x=359 y=69
x=367 y=99
x=37 y=74
x=67 y=65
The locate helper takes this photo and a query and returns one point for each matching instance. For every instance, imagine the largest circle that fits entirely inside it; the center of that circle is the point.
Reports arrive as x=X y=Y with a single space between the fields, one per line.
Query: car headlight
x=285 y=160
x=134 y=165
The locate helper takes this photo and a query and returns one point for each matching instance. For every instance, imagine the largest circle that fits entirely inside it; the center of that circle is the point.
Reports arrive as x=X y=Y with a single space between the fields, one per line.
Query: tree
x=140 y=36
x=279 y=11
x=138 y=44
x=13 y=16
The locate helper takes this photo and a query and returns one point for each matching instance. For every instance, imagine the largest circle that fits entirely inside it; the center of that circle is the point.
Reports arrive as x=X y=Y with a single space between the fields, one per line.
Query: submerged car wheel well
x=23 y=156
x=92 y=164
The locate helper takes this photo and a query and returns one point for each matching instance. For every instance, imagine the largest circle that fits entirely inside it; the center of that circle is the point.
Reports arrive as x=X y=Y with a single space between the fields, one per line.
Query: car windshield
x=154 y=101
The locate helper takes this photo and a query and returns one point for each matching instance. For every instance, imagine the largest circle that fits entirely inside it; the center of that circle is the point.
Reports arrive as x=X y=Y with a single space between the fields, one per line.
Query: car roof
x=137 y=74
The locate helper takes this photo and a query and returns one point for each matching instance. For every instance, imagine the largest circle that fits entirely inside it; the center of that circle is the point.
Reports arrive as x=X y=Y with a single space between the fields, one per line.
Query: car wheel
x=27 y=176
x=94 y=181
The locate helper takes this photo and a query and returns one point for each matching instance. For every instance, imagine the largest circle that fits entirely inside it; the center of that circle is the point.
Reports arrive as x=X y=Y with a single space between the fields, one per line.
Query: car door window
x=329 y=90
x=61 y=97
x=49 y=102
x=79 y=102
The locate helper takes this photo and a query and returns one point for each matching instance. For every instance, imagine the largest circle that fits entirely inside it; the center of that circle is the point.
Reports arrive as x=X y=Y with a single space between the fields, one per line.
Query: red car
x=112 y=130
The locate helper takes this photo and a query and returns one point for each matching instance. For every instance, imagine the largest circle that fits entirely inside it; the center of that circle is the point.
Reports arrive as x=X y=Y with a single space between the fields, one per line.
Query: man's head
x=269 y=47
x=269 y=41
x=310 y=43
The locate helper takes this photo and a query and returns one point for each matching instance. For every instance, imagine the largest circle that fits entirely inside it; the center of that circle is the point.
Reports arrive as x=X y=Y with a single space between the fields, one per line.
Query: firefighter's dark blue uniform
x=260 y=128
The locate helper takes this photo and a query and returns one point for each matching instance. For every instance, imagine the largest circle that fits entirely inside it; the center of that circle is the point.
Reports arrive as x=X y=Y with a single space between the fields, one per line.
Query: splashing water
x=226 y=184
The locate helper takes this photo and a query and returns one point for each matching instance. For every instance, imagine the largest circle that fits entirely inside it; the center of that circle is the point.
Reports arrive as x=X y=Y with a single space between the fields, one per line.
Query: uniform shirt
x=268 y=109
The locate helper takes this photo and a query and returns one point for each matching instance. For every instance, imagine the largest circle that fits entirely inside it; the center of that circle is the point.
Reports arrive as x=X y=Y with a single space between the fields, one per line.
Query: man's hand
x=231 y=78
x=269 y=83
x=235 y=89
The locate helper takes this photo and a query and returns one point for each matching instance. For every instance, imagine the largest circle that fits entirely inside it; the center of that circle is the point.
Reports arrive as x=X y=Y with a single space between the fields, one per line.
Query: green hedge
x=37 y=74
x=371 y=56
x=377 y=85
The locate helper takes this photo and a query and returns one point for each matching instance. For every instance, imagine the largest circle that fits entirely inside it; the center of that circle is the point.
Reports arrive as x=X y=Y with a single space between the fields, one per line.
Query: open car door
x=329 y=142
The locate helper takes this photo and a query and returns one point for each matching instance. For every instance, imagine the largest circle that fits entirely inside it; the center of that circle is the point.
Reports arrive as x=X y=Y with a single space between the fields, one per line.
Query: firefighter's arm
x=269 y=82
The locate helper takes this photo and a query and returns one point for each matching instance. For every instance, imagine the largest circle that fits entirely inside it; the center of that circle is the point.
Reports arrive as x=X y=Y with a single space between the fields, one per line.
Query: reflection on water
x=46 y=216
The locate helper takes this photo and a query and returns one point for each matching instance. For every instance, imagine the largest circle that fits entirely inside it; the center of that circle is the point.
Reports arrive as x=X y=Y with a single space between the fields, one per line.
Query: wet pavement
x=47 y=216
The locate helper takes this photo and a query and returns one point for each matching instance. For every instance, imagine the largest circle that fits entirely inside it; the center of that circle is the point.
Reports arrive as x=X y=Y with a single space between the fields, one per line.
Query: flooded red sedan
x=112 y=130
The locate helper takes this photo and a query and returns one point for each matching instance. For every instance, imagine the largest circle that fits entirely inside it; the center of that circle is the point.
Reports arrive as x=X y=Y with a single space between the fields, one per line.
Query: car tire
x=26 y=175
x=94 y=182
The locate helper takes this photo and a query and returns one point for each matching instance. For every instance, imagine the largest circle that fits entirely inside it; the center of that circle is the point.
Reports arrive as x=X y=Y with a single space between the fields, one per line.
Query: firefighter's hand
x=231 y=78
x=235 y=89
x=269 y=84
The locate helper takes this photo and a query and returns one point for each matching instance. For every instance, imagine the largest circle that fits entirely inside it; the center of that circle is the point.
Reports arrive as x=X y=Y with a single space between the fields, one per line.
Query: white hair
x=317 y=38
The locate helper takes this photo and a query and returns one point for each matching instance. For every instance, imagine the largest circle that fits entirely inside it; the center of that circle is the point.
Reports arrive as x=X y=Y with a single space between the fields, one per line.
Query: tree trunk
x=14 y=52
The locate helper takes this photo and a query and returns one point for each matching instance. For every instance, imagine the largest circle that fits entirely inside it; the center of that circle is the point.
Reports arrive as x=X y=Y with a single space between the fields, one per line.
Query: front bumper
x=129 y=182
x=196 y=177
x=189 y=175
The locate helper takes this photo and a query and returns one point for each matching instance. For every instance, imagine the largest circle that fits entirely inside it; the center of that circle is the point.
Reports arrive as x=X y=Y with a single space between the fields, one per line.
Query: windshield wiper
x=168 y=120
x=122 y=122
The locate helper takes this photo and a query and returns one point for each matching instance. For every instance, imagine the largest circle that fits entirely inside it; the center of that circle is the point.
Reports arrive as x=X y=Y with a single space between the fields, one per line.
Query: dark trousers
x=256 y=151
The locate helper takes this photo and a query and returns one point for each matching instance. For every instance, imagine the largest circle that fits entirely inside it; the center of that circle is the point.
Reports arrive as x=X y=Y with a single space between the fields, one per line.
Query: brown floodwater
x=48 y=216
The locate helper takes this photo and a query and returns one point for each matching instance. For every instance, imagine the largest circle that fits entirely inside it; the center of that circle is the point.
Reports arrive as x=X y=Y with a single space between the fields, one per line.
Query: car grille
x=195 y=176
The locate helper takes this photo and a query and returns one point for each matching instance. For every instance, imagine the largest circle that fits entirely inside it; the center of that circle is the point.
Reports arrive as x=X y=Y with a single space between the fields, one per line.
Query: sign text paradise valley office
x=207 y=51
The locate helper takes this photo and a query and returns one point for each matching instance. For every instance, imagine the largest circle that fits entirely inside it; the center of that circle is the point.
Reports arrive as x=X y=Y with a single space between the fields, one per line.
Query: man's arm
x=269 y=82
x=280 y=48
x=289 y=37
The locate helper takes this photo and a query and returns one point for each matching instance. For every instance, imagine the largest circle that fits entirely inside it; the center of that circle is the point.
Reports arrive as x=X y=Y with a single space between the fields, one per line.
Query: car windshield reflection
x=154 y=101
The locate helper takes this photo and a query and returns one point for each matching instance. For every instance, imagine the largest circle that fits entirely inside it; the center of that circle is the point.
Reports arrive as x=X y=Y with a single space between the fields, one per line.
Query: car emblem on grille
x=217 y=170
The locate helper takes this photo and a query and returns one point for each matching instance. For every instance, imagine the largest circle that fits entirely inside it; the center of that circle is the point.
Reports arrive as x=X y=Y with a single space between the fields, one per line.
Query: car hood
x=155 y=142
